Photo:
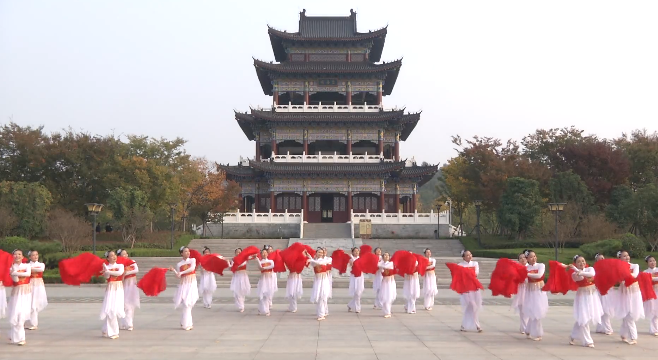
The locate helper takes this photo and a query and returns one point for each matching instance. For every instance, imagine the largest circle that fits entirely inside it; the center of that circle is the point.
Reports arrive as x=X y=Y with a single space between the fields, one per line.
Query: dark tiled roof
x=327 y=29
x=408 y=121
x=422 y=174
x=390 y=69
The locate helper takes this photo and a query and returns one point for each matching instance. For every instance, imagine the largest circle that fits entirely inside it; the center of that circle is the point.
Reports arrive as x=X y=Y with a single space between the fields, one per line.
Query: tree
x=29 y=202
x=7 y=221
x=67 y=228
x=454 y=186
x=520 y=205
x=567 y=187
x=646 y=203
x=641 y=148
x=213 y=195
x=130 y=209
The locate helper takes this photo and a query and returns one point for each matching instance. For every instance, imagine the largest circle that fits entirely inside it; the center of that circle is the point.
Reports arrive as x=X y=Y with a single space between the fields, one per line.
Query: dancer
x=39 y=298
x=3 y=300
x=411 y=291
x=207 y=284
x=330 y=275
x=321 y=284
x=608 y=303
x=356 y=284
x=187 y=293
x=586 y=306
x=429 y=281
x=294 y=289
x=113 y=303
x=266 y=284
x=629 y=303
x=651 y=306
x=535 y=304
x=131 y=299
x=471 y=301
x=388 y=291
x=270 y=250
x=20 y=303
x=517 y=302
x=377 y=280
x=240 y=283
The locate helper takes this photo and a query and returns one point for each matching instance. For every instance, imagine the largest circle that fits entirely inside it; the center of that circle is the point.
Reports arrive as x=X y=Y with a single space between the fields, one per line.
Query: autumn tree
x=29 y=203
x=67 y=228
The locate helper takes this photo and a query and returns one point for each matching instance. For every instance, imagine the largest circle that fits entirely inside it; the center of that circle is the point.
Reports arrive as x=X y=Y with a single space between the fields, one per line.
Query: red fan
x=24 y=261
x=212 y=262
x=506 y=277
x=404 y=262
x=365 y=249
x=196 y=255
x=122 y=260
x=154 y=282
x=279 y=265
x=366 y=263
x=422 y=264
x=610 y=272
x=559 y=279
x=463 y=279
x=340 y=260
x=646 y=286
x=5 y=265
x=294 y=258
x=80 y=269
x=244 y=256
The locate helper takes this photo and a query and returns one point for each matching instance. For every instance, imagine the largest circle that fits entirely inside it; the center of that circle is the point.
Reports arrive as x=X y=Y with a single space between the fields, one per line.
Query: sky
x=179 y=68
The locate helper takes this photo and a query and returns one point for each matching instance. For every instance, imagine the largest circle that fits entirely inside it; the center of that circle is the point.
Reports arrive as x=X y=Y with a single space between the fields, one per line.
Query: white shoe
x=20 y=343
x=571 y=341
x=590 y=345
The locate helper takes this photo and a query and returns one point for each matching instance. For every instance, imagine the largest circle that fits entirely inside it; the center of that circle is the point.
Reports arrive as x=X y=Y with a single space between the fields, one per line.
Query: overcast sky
x=179 y=68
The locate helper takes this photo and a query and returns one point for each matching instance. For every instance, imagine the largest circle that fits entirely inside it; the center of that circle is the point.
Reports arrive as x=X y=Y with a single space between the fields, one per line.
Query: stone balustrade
x=328 y=158
x=403 y=218
x=267 y=218
x=327 y=108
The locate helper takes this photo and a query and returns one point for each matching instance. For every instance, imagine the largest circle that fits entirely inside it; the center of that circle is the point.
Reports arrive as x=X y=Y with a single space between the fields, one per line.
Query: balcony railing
x=328 y=158
x=327 y=108
x=403 y=218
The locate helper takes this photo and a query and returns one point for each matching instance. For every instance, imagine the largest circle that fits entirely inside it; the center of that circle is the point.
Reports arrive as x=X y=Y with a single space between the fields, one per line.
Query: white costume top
x=113 y=303
x=187 y=293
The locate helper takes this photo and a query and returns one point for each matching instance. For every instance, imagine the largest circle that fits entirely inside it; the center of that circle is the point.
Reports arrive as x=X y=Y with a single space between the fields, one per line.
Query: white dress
x=267 y=286
x=3 y=301
x=321 y=286
x=388 y=290
x=629 y=306
x=207 y=287
x=356 y=287
x=131 y=296
x=294 y=290
x=39 y=298
x=376 y=285
x=651 y=306
x=411 y=291
x=586 y=306
x=517 y=305
x=20 y=303
x=429 y=284
x=535 y=304
x=471 y=301
x=113 y=306
x=240 y=285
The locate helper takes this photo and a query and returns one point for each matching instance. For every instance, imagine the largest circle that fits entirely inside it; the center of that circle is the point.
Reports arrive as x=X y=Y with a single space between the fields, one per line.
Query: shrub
x=7 y=221
x=68 y=229
x=607 y=247
x=8 y=244
x=635 y=246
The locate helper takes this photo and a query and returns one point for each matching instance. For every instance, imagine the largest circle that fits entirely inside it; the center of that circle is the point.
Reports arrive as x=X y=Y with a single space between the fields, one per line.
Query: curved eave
x=277 y=38
x=422 y=174
x=238 y=173
x=409 y=122
x=246 y=122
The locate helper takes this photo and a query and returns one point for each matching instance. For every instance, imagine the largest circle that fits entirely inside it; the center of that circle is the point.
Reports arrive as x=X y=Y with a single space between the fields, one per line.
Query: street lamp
x=94 y=209
x=438 y=221
x=556 y=208
x=478 y=203
x=173 y=208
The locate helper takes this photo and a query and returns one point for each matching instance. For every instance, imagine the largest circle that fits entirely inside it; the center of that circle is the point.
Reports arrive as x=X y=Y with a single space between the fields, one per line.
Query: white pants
x=470 y=317
x=428 y=301
x=239 y=302
x=604 y=327
x=111 y=326
x=355 y=303
x=628 y=328
x=186 y=317
x=411 y=306
x=34 y=319
x=523 y=327
x=207 y=299
x=534 y=329
x=386 y=307
x=378 y=302
x=582 y=333
x=264 y=305
x=17 y=333
x=322 y=308
x=653 y=325
x=293 y=304
x=127 y=322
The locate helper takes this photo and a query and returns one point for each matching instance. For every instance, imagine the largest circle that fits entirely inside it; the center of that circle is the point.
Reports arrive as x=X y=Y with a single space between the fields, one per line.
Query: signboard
x=365 y=228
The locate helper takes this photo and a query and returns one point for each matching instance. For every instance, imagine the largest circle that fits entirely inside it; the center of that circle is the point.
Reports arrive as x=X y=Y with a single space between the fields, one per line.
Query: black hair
x=375 y=250
x=425 y=251
x=205 y=248
x=648 y=257
x=182 y=248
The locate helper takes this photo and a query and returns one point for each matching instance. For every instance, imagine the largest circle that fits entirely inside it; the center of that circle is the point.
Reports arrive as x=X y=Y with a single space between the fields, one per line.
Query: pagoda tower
x=326 y=147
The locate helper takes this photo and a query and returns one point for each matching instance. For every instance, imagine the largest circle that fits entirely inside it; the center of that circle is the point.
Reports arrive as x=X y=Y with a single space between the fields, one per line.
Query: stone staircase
x=327 y=231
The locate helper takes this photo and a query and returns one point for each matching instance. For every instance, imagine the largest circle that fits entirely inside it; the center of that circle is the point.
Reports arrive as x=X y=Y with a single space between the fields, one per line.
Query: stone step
x=327 y=230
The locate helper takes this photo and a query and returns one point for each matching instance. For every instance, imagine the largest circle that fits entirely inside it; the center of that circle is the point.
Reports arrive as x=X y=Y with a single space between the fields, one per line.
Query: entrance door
x=327 y=208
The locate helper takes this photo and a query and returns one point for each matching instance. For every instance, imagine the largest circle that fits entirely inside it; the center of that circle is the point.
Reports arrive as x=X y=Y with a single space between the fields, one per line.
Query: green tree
x=641 y=148
x=520 y=205
x=29 y=203
x=131 y=212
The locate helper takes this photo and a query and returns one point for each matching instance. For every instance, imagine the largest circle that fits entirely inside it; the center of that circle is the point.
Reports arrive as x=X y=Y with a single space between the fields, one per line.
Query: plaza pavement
x=70 y=329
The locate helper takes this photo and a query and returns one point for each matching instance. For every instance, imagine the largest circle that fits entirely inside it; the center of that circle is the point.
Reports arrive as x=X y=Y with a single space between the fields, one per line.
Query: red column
x=257 y=204
x=349 y=201
x=397 y=147
x=305 y=205
x=413 y=203
x=349 y=146
x=381 y=201
x=348 y=94
x=306 y=146
x=379 y=93
x=276 y=97
x=273 y=147
x=257 y=149
x=349 y=56
x=306 y=97
x=397 y=202
x=272 y=203
x=306 y=57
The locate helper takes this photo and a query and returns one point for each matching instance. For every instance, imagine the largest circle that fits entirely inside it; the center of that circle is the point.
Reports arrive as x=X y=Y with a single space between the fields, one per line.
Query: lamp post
x=438 y=221
x=94 y=209
x=556 y=208
x=478 y=203
x=173 y=208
